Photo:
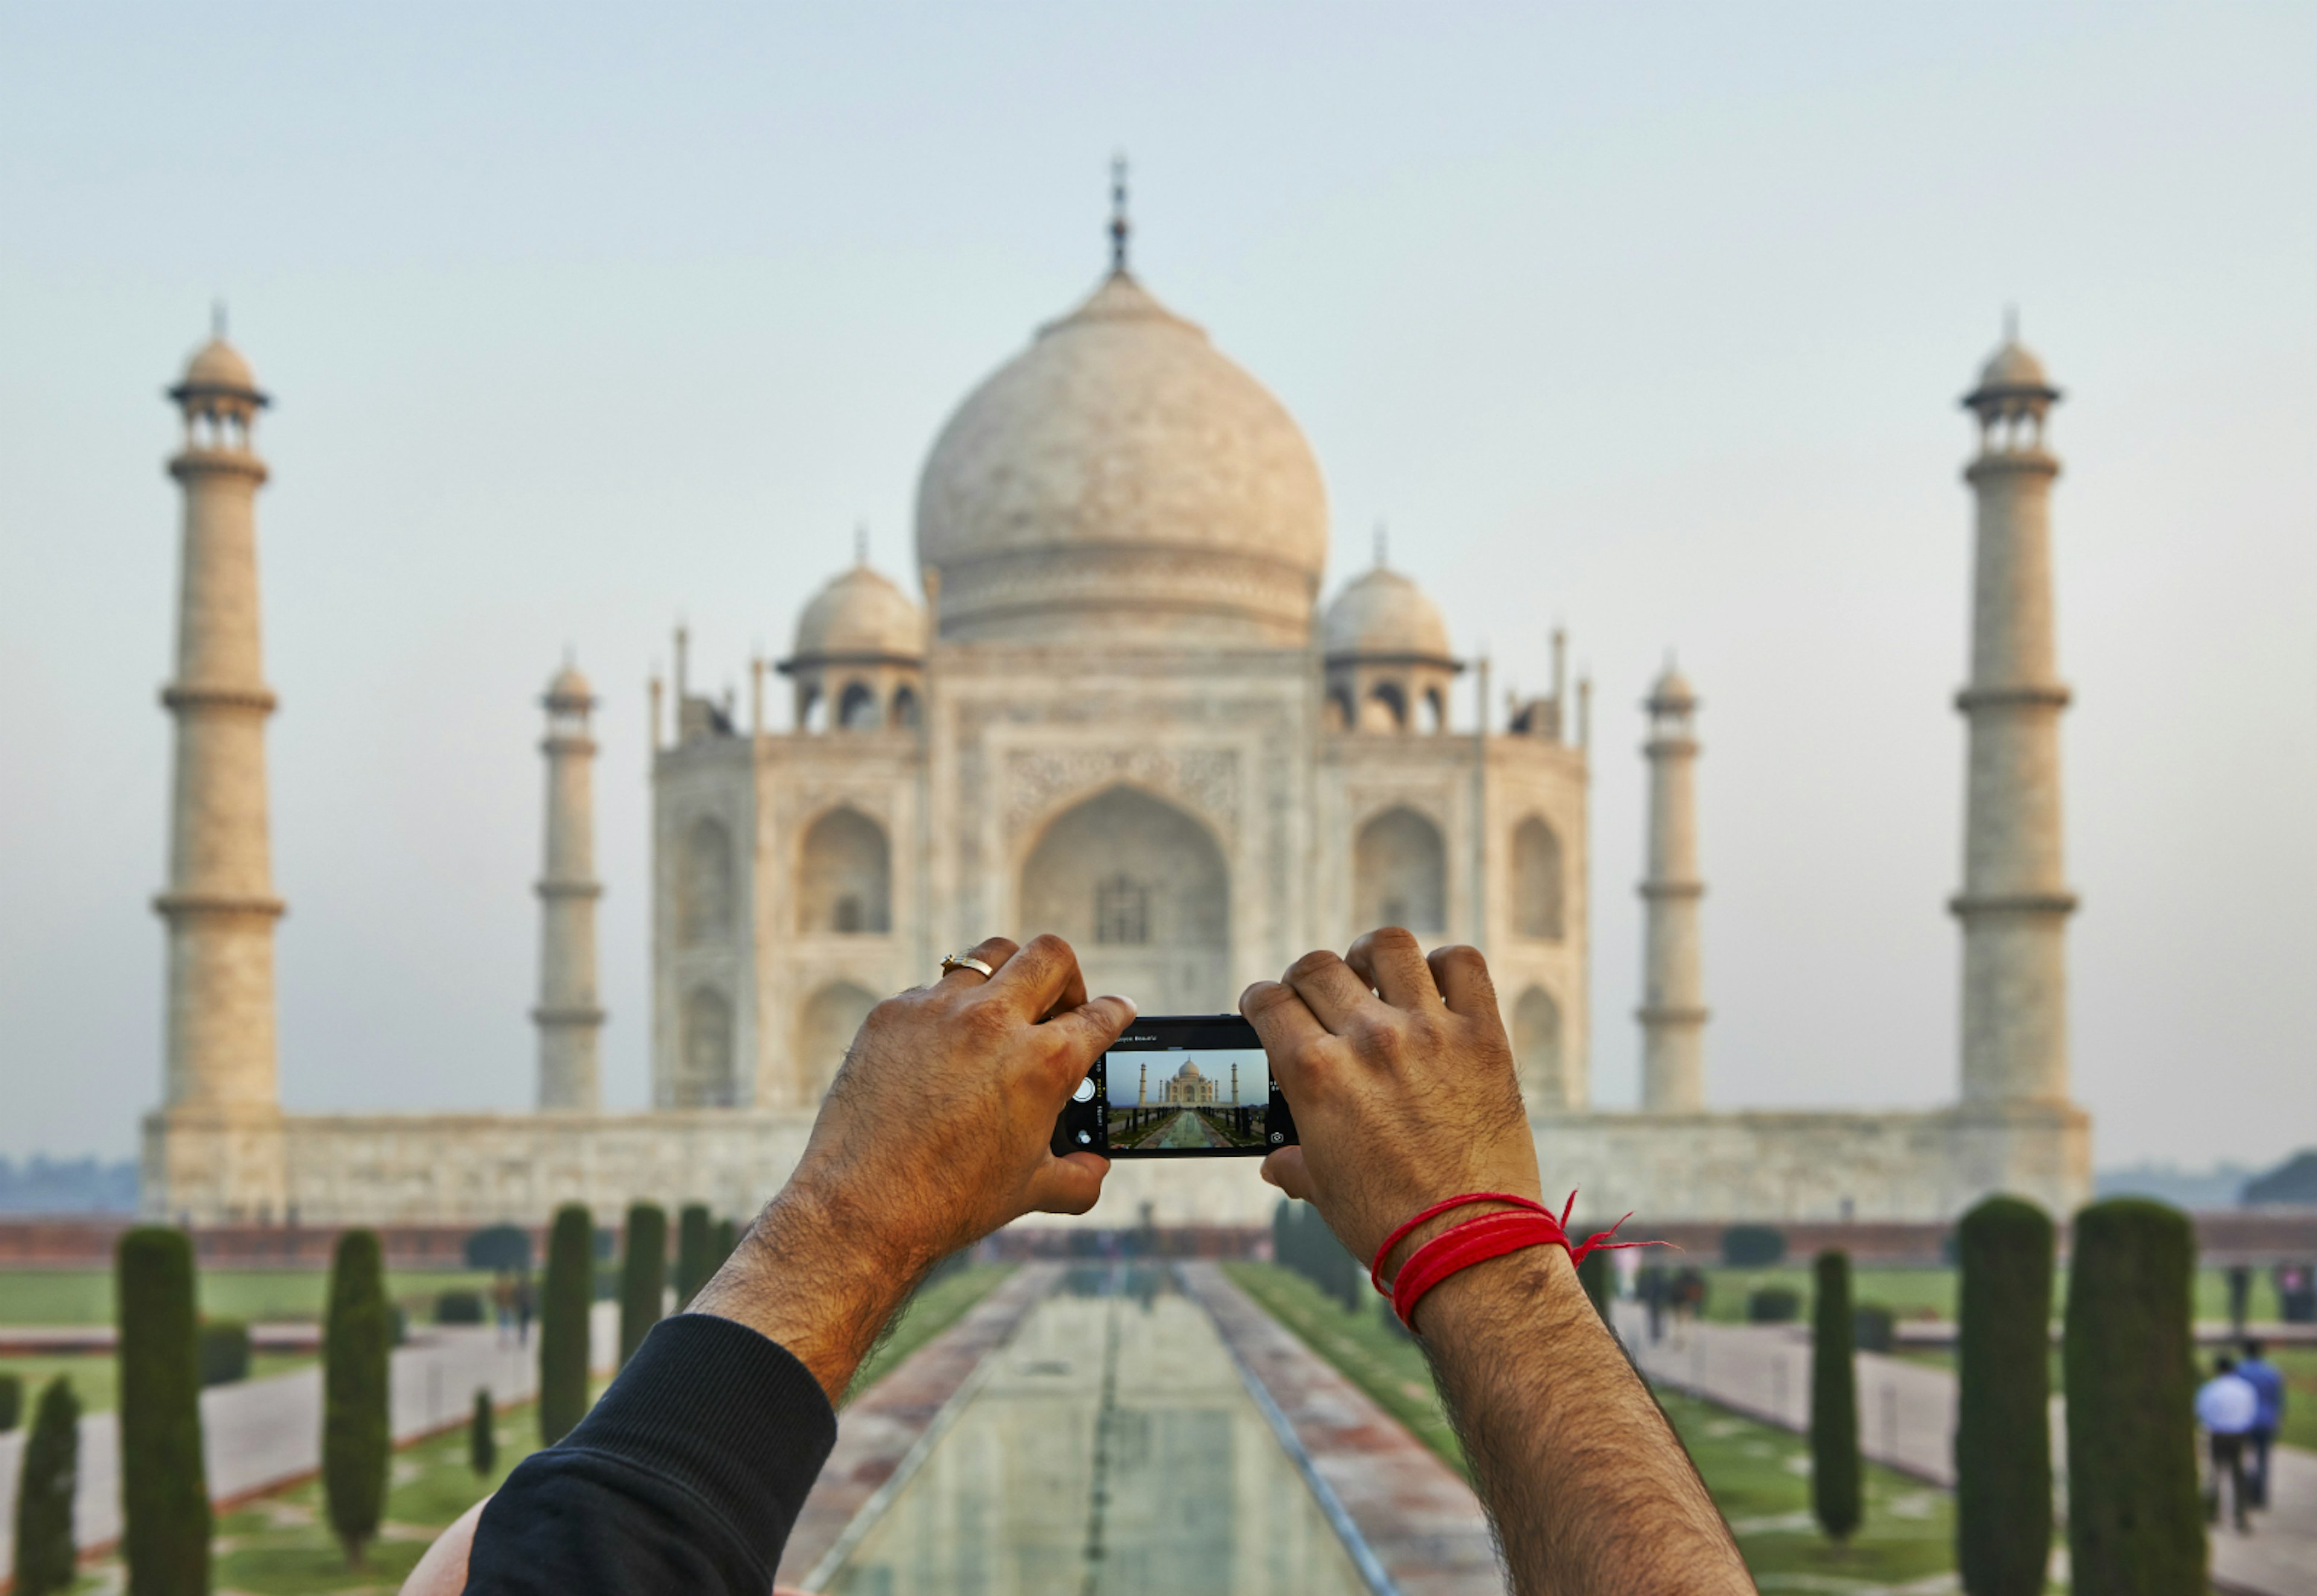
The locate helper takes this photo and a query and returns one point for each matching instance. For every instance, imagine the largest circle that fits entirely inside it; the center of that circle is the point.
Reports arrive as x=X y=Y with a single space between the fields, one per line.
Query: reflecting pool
x=1109 y=1450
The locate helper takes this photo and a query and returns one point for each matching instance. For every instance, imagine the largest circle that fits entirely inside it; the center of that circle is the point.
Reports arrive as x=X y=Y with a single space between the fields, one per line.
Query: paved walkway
x=1907 y=1419
x=257 y=1435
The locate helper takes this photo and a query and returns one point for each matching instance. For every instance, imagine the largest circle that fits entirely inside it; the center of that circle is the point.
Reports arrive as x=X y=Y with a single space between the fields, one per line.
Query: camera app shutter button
x=1085 y=1093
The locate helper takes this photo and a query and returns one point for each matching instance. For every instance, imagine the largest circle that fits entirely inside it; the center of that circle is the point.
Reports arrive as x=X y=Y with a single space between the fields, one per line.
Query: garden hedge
x=357 y=1436
x=2003 y=1427
x=2136 y=1524
x=164 y=1498
x=12 y=1401
x=564 y=1302
x=48 y=1473
x=643 y=1276
x=1753 y=1246
x=224 y=1351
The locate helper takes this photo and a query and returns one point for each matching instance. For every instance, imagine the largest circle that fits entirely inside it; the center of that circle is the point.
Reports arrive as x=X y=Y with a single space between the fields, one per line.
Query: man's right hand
x=1400 y=1078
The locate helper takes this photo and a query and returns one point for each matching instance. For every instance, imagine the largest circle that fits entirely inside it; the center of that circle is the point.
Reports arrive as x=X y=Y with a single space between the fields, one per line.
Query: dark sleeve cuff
x=688 y=1475
x=723 y=1412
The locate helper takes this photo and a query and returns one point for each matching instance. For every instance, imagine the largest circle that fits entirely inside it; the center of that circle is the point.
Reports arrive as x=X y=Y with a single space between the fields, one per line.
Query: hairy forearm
x=820 y=1278
x=1588 y=1488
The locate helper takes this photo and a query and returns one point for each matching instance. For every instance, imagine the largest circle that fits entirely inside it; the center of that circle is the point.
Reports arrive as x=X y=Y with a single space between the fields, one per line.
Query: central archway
x=1140 y=890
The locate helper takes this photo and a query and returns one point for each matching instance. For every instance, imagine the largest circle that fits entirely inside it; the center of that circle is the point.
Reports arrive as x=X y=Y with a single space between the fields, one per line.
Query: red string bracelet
x=1476 y=1241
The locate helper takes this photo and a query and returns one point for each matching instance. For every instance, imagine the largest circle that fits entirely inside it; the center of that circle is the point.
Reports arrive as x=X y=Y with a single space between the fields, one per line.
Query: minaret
x=207 y=1154
x=1673 y=995
x=568 y=1017
x=2015 y=903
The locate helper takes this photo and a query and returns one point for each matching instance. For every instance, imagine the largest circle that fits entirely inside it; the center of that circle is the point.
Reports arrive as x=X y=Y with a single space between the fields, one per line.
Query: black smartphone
x=1178 y=1085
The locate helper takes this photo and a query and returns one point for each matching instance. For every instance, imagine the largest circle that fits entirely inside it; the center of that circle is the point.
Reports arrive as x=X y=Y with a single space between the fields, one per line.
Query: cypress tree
x=12 y=1401
x=1834 y=1402
x=2003 y=1429
x=164 y=1498
x=2136 y=1524
x=482 y=1439
x=695 y=1259
x=357 y=1436
x=643 y=1276
x=570 y=1291
x=728 y=1241
x=47 y=1475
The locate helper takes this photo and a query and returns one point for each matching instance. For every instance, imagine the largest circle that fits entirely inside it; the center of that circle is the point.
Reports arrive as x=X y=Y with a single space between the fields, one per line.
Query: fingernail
x=1118 y=998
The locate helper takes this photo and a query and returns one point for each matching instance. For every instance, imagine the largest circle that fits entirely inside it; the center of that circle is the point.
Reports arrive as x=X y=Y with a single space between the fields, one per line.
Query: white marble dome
x=860 y=614
x=1383 y=615
x=1122 y=479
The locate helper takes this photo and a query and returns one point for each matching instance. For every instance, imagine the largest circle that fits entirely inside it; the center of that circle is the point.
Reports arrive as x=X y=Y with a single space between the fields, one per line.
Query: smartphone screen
x=1187 y=1086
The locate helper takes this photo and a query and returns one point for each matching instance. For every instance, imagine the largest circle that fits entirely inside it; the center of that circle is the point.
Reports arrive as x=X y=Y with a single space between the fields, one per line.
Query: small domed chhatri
x=217 y=369
x=568 y=689
x=1672 y=691
x=861 y=615
x=1383 y=615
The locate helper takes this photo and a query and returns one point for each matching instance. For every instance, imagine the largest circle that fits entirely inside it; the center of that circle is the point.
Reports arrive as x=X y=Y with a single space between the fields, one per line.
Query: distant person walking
x=503 y=1306
x=2267 y=1384
x=525 y=1304
x=2226 y=1407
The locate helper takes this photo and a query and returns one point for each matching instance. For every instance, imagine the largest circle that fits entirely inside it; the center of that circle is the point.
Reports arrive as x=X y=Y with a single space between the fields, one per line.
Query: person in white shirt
x=2227 y=1406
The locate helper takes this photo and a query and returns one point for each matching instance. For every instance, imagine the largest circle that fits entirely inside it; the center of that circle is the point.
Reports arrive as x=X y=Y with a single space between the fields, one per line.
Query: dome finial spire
x=1382 y=546
x=2011 y=324
x=861 y=542
x=216 y=318
x=1119 y=226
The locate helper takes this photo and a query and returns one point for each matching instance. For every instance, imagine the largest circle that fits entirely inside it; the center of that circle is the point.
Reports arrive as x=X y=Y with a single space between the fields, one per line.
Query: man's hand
x=1402 y=1086
x=935 y=1133
x=1400 y=1099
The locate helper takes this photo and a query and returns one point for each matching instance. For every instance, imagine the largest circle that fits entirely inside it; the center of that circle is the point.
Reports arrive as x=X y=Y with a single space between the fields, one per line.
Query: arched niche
x=831 y=1018
x=1537 y=1052
x=704 y=1075
x=1399 y=874
x=906 y=714
x=844 y=876
x=1142 y=891
x=1537 y=880
x=703 y=883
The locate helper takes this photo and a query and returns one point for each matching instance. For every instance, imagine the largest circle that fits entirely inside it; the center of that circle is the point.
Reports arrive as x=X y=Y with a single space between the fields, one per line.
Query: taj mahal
x=1115 y=704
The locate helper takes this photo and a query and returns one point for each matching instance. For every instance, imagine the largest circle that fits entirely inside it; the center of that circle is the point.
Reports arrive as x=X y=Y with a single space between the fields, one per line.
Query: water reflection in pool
x=1110 y=1451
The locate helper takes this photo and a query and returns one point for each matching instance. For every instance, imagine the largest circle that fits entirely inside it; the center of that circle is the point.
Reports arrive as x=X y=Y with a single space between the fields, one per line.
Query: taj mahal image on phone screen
x=1187 y=1100
x=1109 y=700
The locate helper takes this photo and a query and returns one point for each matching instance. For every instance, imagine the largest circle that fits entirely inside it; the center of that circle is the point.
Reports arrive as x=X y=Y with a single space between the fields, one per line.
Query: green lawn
x=1382 y=1362
x=84 y=1297
x=95 y=1376
x=1758 y=1475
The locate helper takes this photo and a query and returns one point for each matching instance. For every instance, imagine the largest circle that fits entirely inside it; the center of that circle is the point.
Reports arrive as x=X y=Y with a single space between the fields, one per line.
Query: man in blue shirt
x=2268 y=1386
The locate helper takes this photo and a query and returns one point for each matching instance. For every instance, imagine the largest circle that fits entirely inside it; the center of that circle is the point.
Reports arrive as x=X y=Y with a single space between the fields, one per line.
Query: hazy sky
x=1648 y=320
